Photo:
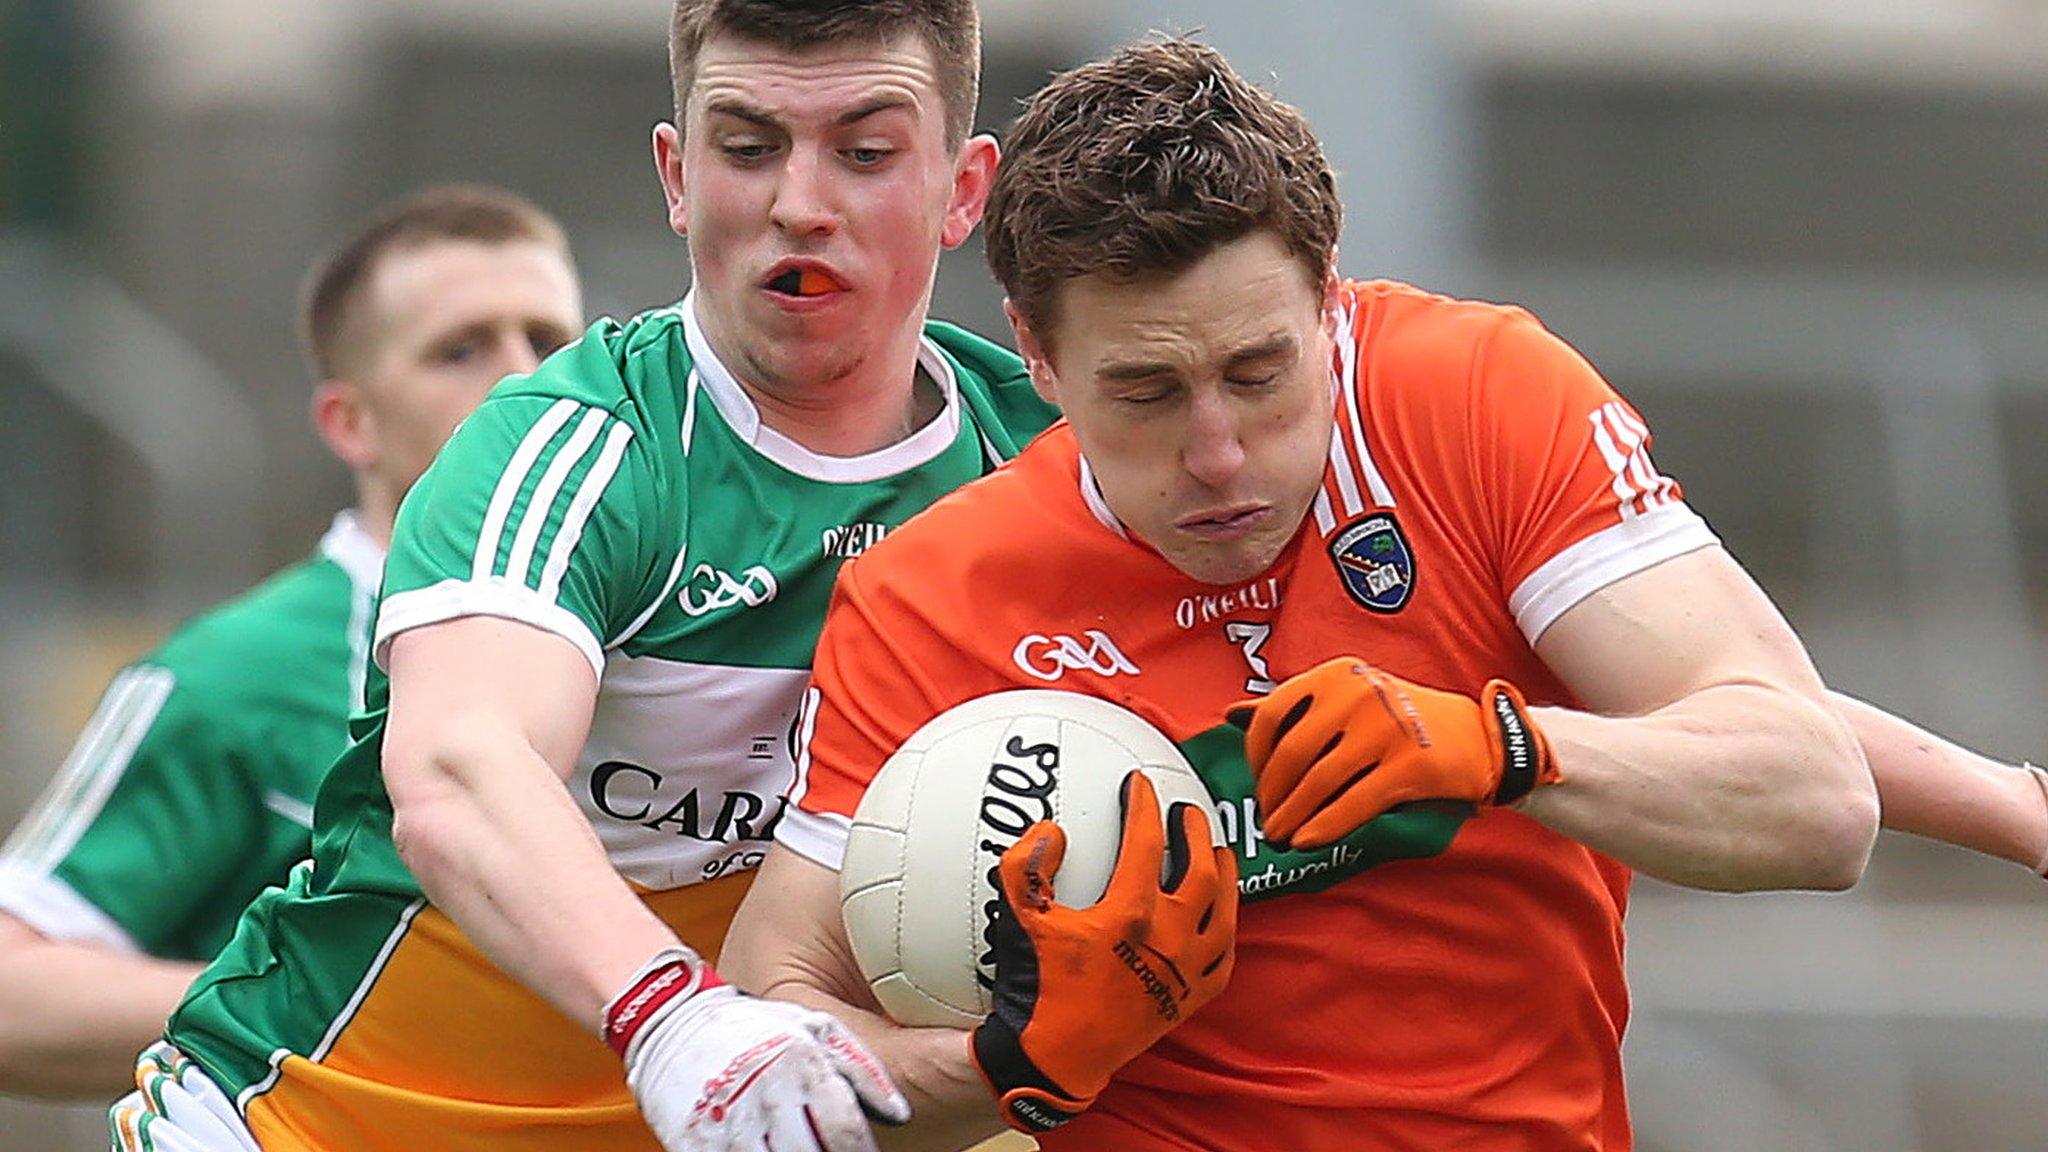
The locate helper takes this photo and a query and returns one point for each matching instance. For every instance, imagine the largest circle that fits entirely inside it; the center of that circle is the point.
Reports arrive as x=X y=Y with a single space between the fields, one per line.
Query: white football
x=918 y=888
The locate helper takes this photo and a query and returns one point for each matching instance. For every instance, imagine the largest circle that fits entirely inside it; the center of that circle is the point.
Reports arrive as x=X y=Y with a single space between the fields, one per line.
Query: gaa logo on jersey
x=1373 y=560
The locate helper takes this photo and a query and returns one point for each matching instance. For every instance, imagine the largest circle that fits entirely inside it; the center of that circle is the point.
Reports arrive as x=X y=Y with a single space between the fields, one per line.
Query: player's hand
x=1344 y=742
x=1080 y=991
x=714 y=1069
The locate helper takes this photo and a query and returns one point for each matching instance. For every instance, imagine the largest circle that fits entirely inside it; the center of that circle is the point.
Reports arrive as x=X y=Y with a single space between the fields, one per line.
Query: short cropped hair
x=950 y=28
x=331 y=303
x=1142 y=164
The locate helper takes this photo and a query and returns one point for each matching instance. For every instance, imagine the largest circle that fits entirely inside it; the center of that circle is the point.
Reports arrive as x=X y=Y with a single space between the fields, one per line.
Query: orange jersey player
x=1416 y=548
x=1436 y=969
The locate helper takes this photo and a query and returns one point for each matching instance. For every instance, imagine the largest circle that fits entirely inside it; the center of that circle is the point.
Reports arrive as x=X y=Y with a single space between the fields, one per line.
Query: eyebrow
x=1268 y=348
x=741 y=110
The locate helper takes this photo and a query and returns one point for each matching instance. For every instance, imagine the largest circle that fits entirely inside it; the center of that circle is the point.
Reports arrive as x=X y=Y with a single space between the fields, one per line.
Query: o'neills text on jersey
x=850 y=540
x=1263 y=596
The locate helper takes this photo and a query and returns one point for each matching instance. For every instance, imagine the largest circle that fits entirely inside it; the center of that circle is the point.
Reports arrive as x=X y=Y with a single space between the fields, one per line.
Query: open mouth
x=805 y=282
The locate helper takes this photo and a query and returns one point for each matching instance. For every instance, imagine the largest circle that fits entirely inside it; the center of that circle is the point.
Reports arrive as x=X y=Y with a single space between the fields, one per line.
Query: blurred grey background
x=1808 y=238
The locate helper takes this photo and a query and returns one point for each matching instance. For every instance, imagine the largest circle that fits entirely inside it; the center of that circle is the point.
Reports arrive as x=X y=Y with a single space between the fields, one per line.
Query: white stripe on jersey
x=675 y=574
x=362 y=615
x=1657 y=488
x=540 y=508
x=1340 y=467
x=510 y=481
x=48 y=811
x=1091 y=495
x=690 y=389
x=289 y=806
x=580 y=505
x=1621 y=438
x=95 y=766
x=1347 y=353
x=363 y=986
x=1326 y=520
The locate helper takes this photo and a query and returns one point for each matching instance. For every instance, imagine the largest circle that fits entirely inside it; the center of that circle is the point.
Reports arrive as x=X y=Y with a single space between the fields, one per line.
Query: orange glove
x=1343 y=742
x=1080 y=991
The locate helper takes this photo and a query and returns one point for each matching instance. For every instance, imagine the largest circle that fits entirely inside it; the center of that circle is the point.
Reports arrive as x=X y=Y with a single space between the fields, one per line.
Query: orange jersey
x=1431 y=982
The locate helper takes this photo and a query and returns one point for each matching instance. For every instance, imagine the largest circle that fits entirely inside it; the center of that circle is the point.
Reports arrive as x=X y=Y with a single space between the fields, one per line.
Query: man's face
x=816 y=189
x=443 y=322
x=1202 y=402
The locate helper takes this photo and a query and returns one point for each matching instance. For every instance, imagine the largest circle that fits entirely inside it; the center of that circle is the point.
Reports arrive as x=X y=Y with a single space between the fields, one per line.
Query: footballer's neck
x=376 y=507
x=862 y=401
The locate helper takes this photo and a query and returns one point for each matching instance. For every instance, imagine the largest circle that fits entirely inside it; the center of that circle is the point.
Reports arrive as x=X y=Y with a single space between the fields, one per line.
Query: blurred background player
x=597 y=620
x=192 y=787
x=1464 y=502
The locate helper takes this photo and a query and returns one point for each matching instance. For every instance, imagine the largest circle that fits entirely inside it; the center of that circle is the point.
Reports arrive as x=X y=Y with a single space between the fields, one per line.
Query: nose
x=1214 y=452
x=803 y=206
x=512 y=353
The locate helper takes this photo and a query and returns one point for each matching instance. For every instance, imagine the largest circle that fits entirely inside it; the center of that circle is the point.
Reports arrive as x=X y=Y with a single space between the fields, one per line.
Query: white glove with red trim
x=714 y=1069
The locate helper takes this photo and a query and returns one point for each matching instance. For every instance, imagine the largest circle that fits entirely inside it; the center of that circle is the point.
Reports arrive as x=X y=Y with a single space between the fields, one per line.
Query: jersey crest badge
x=1374 y=562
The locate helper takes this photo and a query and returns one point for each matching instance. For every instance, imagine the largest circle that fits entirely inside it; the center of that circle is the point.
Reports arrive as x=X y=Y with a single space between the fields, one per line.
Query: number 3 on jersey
x=1252 y=637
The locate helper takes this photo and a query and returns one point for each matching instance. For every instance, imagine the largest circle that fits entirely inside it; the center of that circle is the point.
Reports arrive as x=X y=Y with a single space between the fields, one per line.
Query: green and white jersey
x=191 y=789
x=628 y=498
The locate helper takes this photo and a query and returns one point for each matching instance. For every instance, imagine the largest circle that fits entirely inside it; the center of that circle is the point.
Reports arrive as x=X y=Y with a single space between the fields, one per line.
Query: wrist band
x=673 y=974
x=2040 y=776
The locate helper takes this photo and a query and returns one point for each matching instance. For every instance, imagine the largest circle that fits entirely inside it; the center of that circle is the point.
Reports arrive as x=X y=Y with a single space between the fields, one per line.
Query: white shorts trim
x=176 y=1108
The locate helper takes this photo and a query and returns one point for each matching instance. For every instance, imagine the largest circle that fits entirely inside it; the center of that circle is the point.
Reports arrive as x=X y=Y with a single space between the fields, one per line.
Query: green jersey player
x=192 y=787
x=597 y=623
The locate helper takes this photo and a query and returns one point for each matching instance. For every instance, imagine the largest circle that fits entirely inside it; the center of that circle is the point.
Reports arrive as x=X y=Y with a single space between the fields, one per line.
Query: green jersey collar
x=744 y=418
x=355 y=550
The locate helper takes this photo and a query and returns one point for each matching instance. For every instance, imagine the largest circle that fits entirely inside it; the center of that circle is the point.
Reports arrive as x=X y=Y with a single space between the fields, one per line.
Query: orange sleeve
x=870 y=690
x=1561 y=475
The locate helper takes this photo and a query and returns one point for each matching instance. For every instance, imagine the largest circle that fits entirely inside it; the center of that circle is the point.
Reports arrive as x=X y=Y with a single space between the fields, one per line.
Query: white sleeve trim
x=55 y=909
x=491 y=596
x=821 y=839
x=1606 y=556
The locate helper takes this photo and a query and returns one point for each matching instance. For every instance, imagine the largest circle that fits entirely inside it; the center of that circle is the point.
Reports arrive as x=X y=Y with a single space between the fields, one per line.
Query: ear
x=668 y=164
x=1032 y=349
x=345 y=423
x=973 y=174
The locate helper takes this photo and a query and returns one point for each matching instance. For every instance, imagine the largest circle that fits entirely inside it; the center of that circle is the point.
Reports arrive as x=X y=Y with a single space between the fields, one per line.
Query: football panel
x=873 y=927
x=906 y=1003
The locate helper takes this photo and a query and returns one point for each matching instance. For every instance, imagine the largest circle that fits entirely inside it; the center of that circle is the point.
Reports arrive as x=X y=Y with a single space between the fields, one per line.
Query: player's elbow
x=425 y=775
x=1837 y=819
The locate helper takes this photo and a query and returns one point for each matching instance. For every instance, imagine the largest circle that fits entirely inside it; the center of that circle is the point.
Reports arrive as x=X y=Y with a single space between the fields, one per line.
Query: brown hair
x=950 y=28
x=333 y=295
x=1144 y=163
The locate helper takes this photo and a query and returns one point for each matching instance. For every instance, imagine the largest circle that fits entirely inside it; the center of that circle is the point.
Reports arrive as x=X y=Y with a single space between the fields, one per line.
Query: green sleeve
x=150 y=821
x=540 y=509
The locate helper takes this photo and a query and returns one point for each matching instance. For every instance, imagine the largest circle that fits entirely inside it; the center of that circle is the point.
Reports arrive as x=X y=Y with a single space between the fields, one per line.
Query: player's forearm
x=1932 y=787
x=498 y=845
x=73 y=1018
x=1735 y=787
x=951 y=1106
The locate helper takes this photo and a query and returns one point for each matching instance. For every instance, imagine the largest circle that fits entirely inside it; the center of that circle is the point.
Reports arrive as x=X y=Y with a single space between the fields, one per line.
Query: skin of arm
x=73 y=1016
x=788 y=942
x=1708 y=755
x=487 y=717
x=1934 y=788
